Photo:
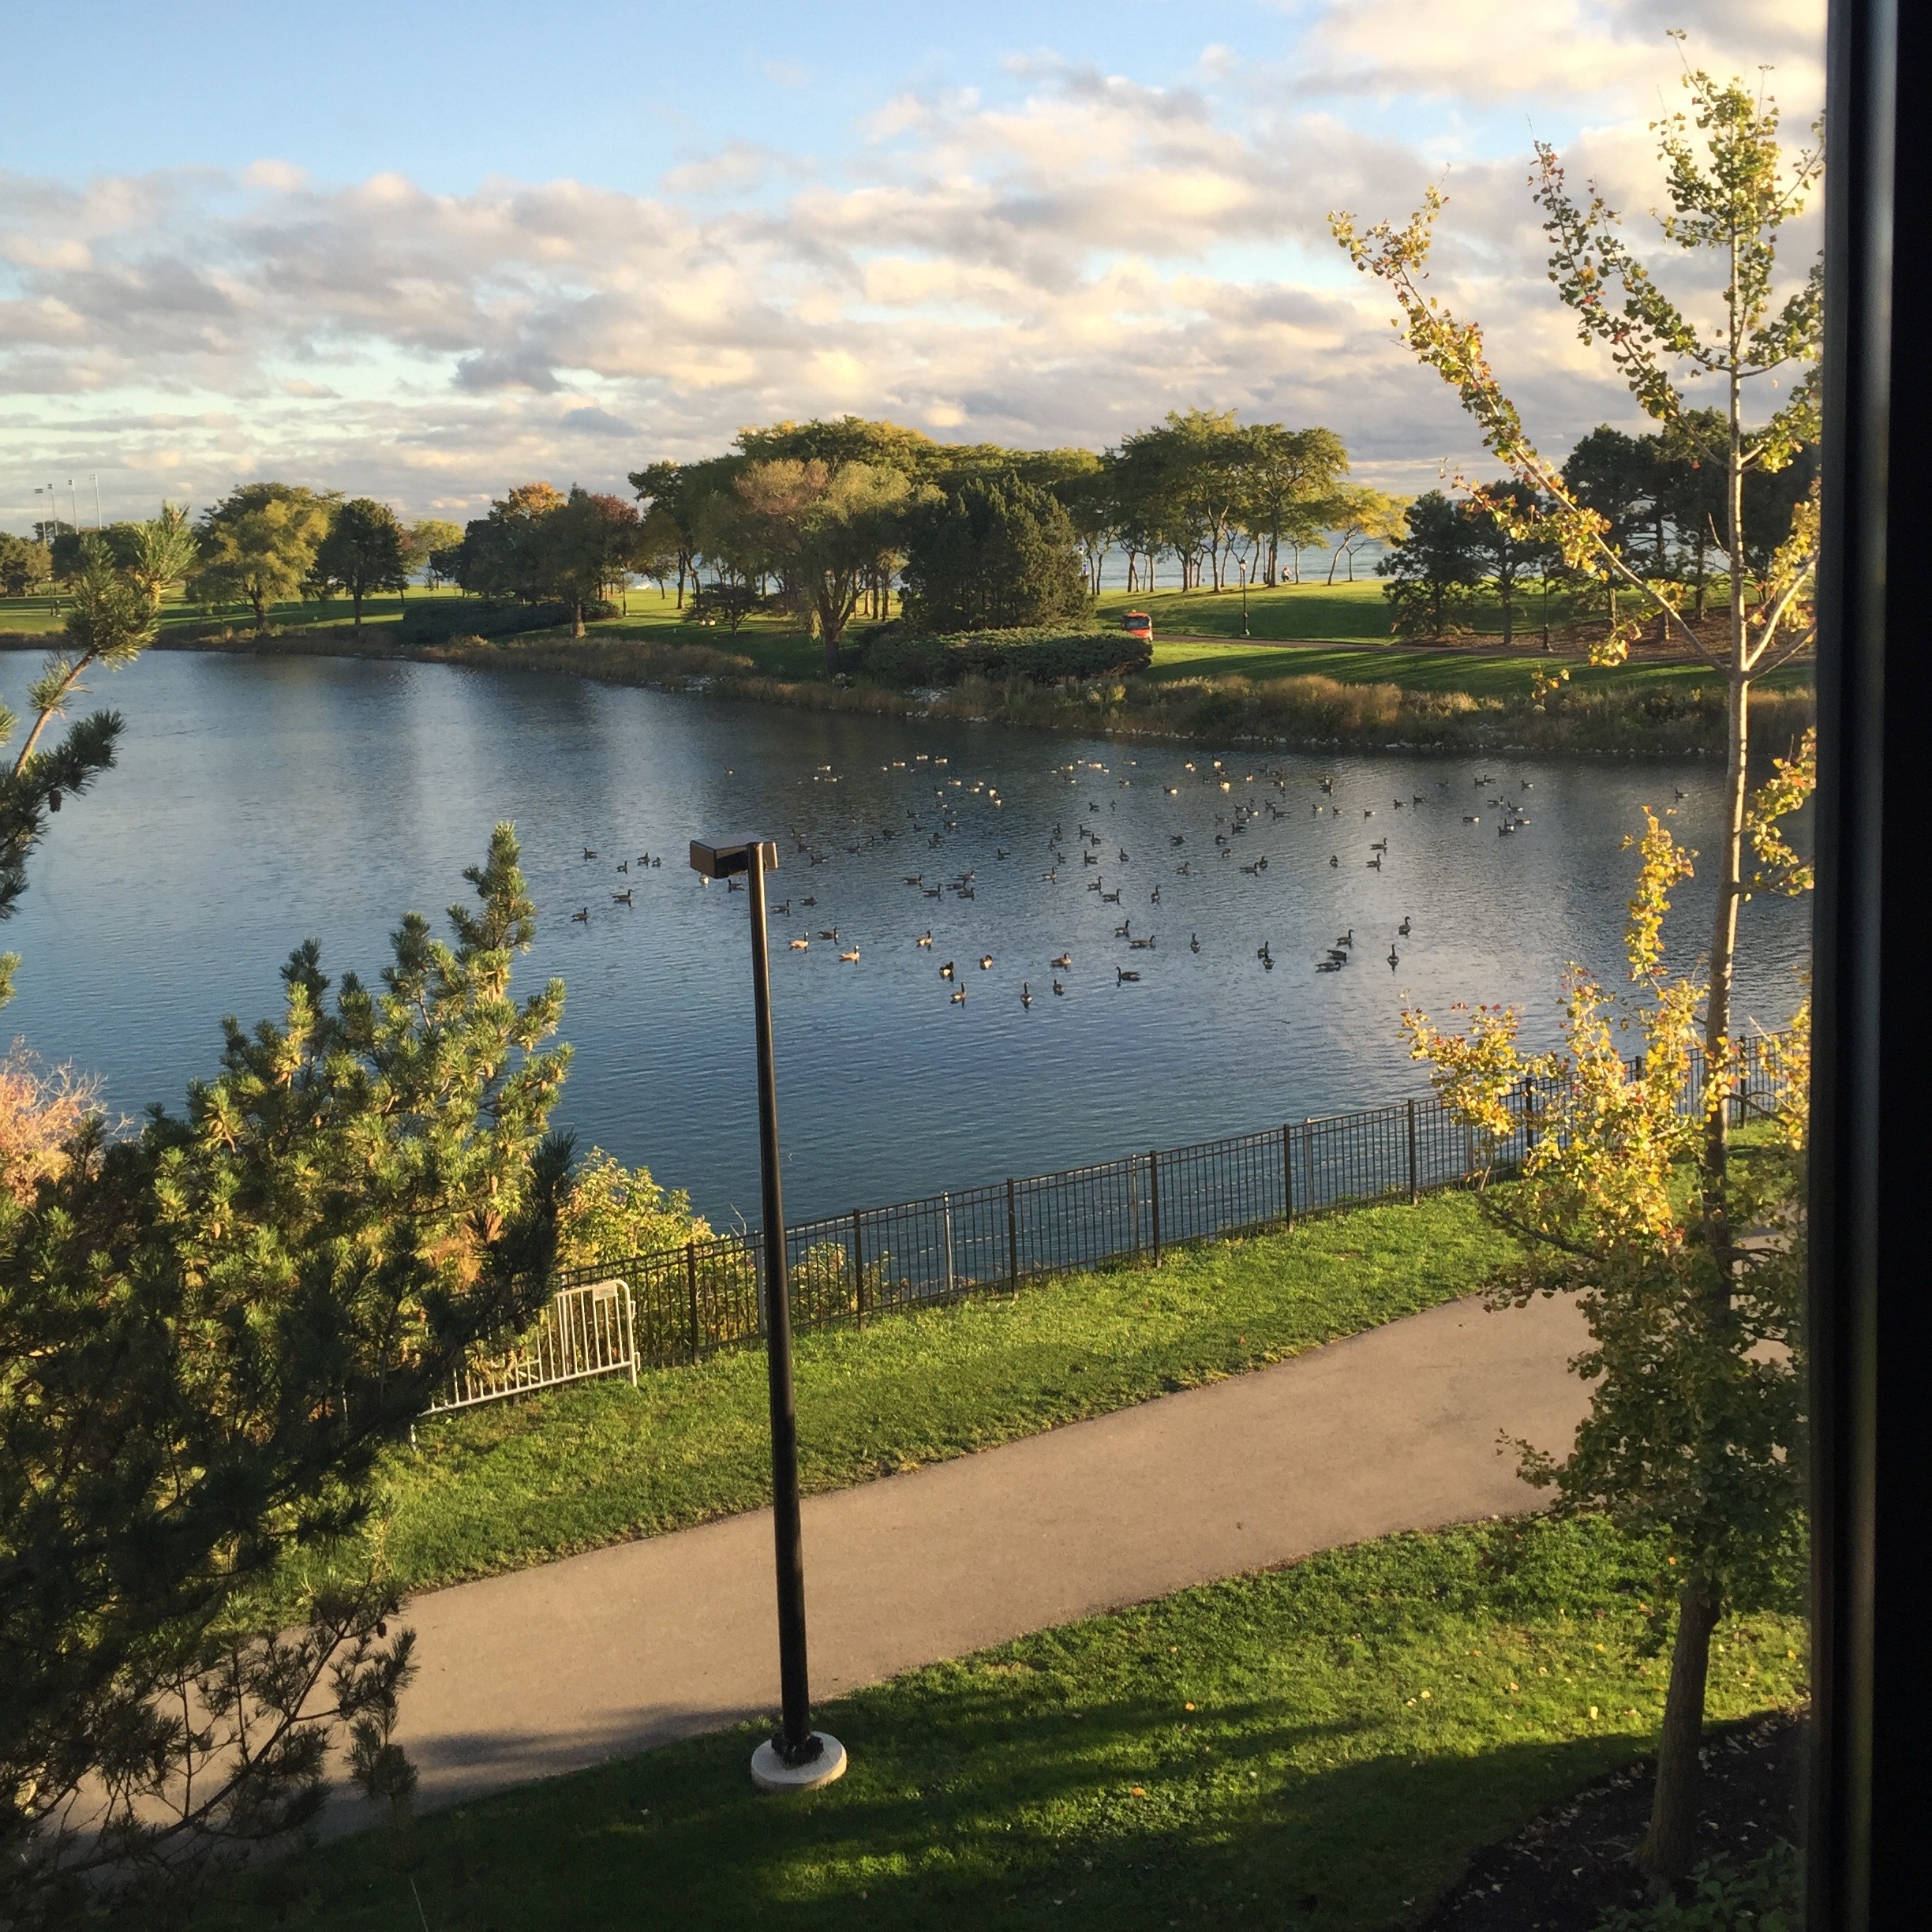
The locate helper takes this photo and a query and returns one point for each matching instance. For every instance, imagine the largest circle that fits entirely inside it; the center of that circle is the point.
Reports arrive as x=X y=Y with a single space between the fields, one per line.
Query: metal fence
x=588 y=1329
x=679 y=1305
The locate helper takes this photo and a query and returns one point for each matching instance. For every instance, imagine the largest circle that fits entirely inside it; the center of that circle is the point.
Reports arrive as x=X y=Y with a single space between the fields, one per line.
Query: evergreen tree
x=366 y=549
x=994 y=554
x=1433 y=568
x=207 y=1332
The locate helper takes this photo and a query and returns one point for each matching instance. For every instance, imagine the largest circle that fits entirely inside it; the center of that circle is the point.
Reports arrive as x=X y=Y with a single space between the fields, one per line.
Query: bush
x=1761 y=1896
x=438 y=620
x=1043 y=657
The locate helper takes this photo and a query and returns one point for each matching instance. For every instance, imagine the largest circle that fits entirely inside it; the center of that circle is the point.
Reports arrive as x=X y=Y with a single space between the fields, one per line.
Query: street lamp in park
x=1241 y=563
x=799 y=1758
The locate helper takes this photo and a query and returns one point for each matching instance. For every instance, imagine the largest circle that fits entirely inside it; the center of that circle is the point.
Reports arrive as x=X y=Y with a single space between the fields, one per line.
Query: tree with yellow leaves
x=1694 y=1437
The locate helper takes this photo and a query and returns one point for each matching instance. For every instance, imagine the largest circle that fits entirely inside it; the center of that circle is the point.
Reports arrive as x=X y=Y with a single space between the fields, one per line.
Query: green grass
x=1321 y=1747
x=524 y=1481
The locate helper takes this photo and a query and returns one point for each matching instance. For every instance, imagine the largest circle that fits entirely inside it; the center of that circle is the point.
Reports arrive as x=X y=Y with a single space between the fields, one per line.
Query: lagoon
x=262 y=801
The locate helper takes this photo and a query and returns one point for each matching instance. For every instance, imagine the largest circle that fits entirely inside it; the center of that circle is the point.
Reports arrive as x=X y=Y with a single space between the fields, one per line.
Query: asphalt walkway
x=545 y=1670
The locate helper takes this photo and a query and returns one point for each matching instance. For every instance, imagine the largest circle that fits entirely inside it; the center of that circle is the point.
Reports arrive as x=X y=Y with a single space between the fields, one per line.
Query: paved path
x=604 y=1654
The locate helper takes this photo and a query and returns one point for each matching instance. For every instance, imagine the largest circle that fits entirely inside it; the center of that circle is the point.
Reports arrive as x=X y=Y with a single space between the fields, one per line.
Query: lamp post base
x=770 y=1772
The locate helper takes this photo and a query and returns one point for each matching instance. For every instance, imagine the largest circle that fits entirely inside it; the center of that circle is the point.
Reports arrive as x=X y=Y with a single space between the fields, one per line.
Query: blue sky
x=430 y=251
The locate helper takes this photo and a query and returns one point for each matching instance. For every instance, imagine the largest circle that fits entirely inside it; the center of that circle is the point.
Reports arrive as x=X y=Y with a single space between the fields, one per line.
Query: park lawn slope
x=525 y=1481
x=1319 y=1747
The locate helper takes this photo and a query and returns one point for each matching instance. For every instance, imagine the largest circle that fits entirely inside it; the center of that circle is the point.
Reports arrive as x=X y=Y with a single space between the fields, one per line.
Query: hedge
x=1045 y=657
x=435 y=620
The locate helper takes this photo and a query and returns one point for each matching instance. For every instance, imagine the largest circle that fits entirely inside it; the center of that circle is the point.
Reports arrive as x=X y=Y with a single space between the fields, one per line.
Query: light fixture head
x=724 y=857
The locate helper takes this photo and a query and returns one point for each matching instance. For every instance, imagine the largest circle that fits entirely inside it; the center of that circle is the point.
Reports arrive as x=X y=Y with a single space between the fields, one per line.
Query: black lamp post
x=1241 y=563
x=799 y=1757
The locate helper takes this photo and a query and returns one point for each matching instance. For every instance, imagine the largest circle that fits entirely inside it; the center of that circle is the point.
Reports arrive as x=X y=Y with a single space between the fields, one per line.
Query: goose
x=1143 y=945
x=1063 y=963
x=1394 y=959
x=734 y=885
x=1123 y=857
x=1252 y=870
x=1398 y=804
x=1348 y=938
x=1261 y=951
x=1328 y=965
x=1415 y=798
x=623 y=865
x=1334 y=859
x=1375 y=865
x=1026 y=996
x=1112 y=898
x=999 y=851
x=1403 y=928
x=1471 y=818
x=1153 y=897
x=1182 y=870
x=958 y=996
x=925 y=938
x=915 y=879
x=657 y=865
x=622 y=898
x=1529 y=784
x=1368 y=811
x=1120 y=931
x=828 y=932
x=1096 y=885
x=931 y=892
x=1337 y=957
x=588 y=853
x=1177 y=838
x=1174 y=791
x=1121 y=975
x=1380 y=845
x=800 y=946
x=851 y=958
x=1058 y=988
x=808 y=900
x=1269 y=962
x=1327 y=784
x=985 y=962
x=1193 y=942
x=784 y=911
x=945 y=972
x=581 y=916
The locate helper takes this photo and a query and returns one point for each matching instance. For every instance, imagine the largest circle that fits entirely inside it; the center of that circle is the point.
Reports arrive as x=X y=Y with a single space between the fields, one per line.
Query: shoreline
x=1310 y=713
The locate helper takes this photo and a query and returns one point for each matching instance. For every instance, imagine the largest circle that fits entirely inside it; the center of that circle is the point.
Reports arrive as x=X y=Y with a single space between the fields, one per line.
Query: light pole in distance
x=798 y=1758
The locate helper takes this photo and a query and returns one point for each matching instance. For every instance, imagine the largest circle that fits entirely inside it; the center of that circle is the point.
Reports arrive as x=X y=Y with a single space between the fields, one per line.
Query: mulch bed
x=1565 y=1869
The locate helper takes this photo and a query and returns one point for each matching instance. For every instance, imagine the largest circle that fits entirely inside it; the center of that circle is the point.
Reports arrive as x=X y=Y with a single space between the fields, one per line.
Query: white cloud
x=1062 y=264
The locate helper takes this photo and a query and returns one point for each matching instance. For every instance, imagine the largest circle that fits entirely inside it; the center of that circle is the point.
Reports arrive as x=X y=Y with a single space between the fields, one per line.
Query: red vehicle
x=1138 y=623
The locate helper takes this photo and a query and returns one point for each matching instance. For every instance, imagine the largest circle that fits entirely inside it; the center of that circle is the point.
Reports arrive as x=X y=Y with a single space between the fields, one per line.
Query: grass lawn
x=523 y=1481
x=1318 y=1746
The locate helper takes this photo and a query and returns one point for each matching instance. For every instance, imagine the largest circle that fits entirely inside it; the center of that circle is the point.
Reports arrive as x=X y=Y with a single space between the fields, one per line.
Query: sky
x=428 y=252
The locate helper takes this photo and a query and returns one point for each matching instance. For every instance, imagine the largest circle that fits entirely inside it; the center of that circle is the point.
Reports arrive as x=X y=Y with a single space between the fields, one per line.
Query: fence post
x=945 y=1204
x=631 y=1326
x=690 y=1283
x=1529 y=1112
x=1153 y=1197
x=1013 y=1240
x=1287 y=1179
x=1415 y=1184
x=858 y=1270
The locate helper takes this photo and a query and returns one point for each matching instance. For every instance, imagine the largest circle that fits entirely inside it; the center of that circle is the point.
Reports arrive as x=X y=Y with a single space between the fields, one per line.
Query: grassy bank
x=524 y=1481
x=1320 y=670
x=1322 y=1746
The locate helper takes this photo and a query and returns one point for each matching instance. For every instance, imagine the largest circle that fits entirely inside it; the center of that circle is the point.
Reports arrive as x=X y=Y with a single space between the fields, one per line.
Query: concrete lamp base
x=770 y=1772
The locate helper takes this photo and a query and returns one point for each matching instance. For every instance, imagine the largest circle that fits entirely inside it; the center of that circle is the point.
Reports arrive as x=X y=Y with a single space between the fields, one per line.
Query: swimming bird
x=1471 y=818
x=1153 y=897
x=1380 y=845
x=800 y=946
x=1058 y=987
x=1112 y=898
x=1403 y=928
x=851 y=958
x=622 y=898
x=1368 y=811
x=784 y=911
x=925 y=938
x=1375 y=865
x=1261 y=951
x=915 y=879
x=1063 y=963
x=1177 y=838
x=828 y=932
x=734 y=885
x=588 y=853
x=808 y=900
x=1334 y=859
x=1026 y=997
x=985 y=962
x=1121 y=975
x=1193 y=942
x=1143 y=945
x=1348 y=938
x=958 y=996
x=623 y=865
x=1393 y=960
x=582 y=916
x=1123 y=858
x=945 y=972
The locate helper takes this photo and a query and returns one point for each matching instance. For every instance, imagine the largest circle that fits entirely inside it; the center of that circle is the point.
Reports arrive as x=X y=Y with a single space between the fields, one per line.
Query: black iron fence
x=690 y=1301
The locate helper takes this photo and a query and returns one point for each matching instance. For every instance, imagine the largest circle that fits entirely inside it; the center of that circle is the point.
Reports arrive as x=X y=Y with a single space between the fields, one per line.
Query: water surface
x=261 y=801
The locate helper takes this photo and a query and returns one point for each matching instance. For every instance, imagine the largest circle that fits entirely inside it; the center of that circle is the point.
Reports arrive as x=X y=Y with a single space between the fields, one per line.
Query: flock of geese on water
x=935 y=823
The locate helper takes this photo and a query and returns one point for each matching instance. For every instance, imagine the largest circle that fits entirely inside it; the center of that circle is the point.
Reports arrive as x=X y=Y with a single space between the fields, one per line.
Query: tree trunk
x=355 y=600
x=260 y=604
x=1505 y=587
x=1670 y=1845
x=577 y=622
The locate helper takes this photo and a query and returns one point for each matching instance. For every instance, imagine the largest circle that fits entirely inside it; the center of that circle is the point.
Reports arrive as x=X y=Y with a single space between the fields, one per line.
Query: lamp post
x=798 y=1758
x=1241 y=563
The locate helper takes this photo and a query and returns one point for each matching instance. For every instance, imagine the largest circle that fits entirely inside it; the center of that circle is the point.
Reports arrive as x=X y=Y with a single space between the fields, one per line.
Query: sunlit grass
x=529 y=1480
x=1319 y=1746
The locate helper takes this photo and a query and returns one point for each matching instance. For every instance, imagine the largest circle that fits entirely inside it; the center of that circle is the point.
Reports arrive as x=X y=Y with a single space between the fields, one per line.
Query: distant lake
x=259 y=801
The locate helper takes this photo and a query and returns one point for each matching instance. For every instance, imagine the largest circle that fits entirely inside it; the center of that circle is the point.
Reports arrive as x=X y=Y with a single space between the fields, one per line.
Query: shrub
x=1043 y=657
x=438 y=620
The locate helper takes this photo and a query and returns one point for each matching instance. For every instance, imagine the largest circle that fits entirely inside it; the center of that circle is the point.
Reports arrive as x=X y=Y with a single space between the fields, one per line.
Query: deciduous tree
x=366 y=550
x=258 y=546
